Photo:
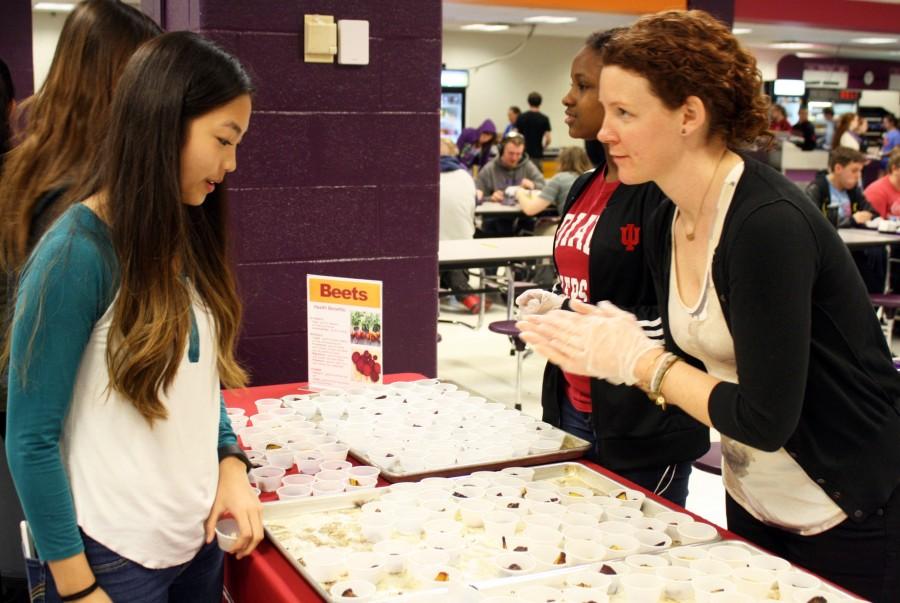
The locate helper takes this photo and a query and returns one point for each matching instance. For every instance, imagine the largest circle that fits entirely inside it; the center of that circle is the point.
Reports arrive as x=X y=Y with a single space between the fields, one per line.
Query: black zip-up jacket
x=820 y=194
x=631 y=431
x=815 y=372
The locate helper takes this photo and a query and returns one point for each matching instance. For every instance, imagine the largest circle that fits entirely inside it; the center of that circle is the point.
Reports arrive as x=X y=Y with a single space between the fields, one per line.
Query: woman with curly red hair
x=769 y=333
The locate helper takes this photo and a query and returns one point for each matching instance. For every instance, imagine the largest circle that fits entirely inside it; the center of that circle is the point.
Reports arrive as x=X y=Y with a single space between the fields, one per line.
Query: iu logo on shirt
x=631 y=236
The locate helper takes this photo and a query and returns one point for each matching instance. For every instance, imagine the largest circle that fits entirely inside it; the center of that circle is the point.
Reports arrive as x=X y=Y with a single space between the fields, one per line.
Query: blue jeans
x=669 y=481
x=199 y=580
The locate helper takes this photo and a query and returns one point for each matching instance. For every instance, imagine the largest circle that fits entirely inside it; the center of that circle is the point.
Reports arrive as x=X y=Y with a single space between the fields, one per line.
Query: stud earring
x=683 y=131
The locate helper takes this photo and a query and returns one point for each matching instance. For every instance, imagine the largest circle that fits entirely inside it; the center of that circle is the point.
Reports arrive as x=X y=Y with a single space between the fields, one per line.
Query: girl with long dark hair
x=125 y=327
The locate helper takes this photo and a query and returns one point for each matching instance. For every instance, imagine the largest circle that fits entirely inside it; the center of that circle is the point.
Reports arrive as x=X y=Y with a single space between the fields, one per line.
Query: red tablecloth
x=265 y=576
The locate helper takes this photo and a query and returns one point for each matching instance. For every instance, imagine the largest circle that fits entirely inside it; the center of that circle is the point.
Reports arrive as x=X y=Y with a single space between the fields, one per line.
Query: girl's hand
x=235 y=497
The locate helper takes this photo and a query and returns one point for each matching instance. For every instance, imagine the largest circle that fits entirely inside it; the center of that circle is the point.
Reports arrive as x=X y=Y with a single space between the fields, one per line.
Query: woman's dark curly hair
x=691 y=53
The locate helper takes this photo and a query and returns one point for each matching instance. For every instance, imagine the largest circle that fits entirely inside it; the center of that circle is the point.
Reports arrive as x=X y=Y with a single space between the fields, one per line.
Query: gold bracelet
x=656 y=391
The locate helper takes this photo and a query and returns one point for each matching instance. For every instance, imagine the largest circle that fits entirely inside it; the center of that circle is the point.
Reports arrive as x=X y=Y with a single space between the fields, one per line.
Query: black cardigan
x=815 y=373
x=632 y=433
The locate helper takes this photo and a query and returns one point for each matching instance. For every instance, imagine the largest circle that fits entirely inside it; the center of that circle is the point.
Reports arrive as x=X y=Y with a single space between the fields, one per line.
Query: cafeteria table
x=266 y=576
x=855 y=238
x=492 y=208
x=493 y=252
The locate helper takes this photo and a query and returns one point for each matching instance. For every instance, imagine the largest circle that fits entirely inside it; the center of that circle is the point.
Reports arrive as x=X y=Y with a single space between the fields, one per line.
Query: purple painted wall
x=15 y=44
x=721 y=9
x=338 y=174
x=791 y=67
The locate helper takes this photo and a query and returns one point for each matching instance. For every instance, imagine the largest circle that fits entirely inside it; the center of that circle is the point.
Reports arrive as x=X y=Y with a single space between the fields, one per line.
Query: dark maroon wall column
x=338 y=174
x=15 y=44
x=721 y=9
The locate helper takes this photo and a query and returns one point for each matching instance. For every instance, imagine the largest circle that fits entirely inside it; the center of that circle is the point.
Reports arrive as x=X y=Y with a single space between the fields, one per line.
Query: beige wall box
x=353 y=42
x=319 y=39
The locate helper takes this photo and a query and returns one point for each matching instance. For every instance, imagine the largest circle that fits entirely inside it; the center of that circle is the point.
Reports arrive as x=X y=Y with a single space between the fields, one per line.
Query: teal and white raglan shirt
x=80 y=454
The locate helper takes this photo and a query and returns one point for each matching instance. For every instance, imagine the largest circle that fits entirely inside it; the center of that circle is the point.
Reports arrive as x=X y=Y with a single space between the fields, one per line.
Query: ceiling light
x=739 y=31
x=792 y=45
x=550 y=20
x=811 y=55
x=486 y=27
x=874 y=40
x=54 y=6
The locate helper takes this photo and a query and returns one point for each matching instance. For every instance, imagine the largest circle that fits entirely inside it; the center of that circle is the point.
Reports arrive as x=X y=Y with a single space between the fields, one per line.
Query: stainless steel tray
x=333 y=521
x=557 y=578
x=572 y=448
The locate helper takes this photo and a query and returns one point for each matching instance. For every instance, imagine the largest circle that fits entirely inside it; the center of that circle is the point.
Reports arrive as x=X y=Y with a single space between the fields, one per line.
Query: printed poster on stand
x=345 y=331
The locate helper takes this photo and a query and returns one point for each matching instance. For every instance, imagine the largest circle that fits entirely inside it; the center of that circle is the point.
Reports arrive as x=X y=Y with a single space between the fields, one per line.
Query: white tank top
x=771 y=486
x=144 y=493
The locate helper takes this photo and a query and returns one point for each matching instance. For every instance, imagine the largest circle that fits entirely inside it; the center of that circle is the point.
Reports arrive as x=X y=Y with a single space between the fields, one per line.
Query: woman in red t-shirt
x=599 y=256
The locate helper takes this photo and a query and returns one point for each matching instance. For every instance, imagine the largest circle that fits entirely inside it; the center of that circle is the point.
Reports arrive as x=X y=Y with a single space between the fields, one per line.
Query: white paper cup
x=331 y=475
x=706 y=586
x=690 y=533
x=579 y=520
x=353 y=591
x=499 y=525
x=445 y=541
x=510 y=503
x=293 y=492
x=589 y=578
x=227 y=534
x=364 y=471
x=234 y=411
x=283 y=458
x=367 y=565
x=544 y=446
x=328 y=488
x=463 y=491
x=343 y=466
x=542 y=519
x=711 y=567
x=642 y=588
x=678 y=581
x=333 y=452
x=590 y=509
x=673 y=519
x=794 y=583
x=361 y=483
x=683 y=555
x=297 y=479
x=620 y=545
x=583 y=534
x=754 y=581
x=395 y=553
x=735 y=556
x=628 y=497
x=238 y=421
x=472 y=511
x=267 y=478
x=515 y=564
x=616 y=527
x=441 y=526
x=376 y=527
x=653 y=541
x=547 y=556
x=584 y=551
x=264 y=405
x=827 y=596
x=539 y=534
x=325 y=564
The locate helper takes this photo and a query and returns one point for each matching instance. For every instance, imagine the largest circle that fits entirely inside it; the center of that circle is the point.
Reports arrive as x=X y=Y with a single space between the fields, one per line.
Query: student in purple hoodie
x=478 y=151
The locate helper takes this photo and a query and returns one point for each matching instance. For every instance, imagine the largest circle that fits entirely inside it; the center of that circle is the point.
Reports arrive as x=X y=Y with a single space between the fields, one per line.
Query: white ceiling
x=828 y=42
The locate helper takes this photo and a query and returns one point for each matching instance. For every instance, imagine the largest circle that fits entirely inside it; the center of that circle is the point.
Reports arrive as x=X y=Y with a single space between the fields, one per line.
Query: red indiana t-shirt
x=571 y=250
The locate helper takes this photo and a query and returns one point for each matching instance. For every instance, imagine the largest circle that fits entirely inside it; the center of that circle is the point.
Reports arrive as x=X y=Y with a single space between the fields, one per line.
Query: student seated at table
x=457 y=219
x=884 y=193
x=838 y=194
x=573 y=162
x=500 y=179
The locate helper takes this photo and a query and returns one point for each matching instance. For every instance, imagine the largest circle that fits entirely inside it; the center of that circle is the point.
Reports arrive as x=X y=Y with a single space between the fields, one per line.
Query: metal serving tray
x=299 y=527
x=558 y=578
x=572 y=447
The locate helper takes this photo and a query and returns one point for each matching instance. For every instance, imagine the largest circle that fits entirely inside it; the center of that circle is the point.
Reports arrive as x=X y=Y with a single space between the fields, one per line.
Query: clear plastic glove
x=603 y=342
x=538 y=301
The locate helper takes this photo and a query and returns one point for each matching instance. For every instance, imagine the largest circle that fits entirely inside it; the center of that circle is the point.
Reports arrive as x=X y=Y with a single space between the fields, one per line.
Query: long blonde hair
x=66 y=119
x=574 y=159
